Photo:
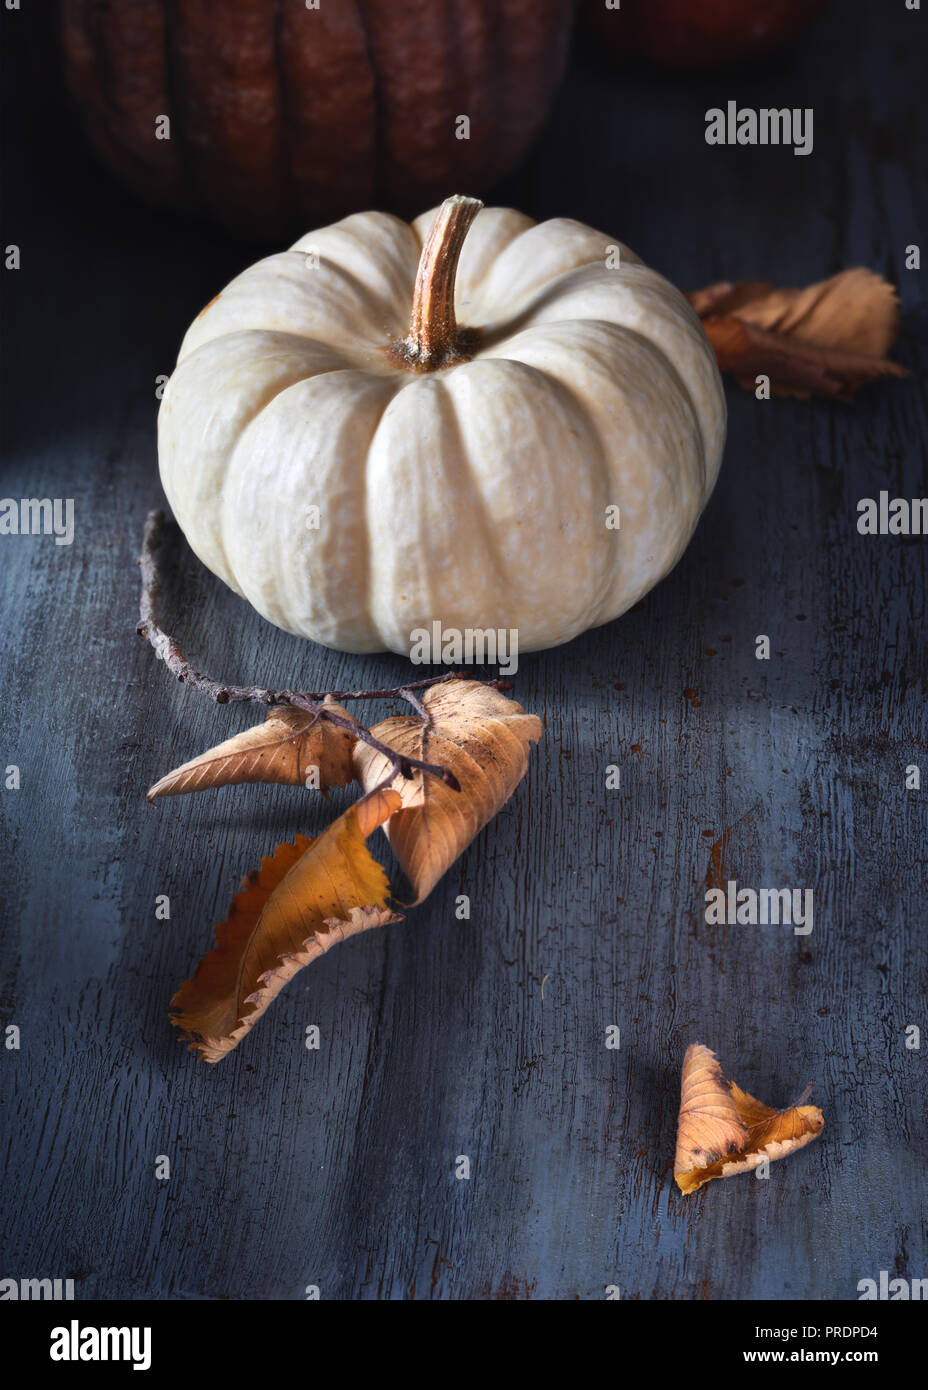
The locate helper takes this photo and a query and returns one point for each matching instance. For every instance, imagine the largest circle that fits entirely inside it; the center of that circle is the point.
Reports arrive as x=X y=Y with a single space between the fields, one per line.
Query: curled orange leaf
x=480 y=736
x=291 y=746
x=722 y=1130
x=305 y=897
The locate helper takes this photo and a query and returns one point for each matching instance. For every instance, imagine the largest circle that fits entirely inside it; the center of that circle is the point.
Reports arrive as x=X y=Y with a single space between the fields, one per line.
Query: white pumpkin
x=361 y=444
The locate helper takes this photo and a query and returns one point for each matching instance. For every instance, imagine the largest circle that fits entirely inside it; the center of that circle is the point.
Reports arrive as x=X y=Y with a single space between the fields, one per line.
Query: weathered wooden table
x=484 y=1038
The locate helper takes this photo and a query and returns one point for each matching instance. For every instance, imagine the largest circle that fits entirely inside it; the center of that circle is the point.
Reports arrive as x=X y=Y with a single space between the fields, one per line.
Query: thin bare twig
x=167 y=650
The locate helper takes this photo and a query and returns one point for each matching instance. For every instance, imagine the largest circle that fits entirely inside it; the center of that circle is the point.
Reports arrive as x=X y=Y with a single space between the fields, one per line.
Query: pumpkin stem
x=434 y=339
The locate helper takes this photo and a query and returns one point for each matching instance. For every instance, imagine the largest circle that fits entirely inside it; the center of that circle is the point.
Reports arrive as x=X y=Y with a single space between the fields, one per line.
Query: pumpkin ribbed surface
x=475 y=495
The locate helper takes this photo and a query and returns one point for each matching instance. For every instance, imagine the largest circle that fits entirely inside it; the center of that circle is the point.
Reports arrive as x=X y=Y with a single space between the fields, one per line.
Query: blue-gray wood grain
x=484 y=1038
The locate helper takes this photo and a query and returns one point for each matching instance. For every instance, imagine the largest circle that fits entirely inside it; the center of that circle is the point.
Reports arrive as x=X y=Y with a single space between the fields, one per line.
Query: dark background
x=335 y=1167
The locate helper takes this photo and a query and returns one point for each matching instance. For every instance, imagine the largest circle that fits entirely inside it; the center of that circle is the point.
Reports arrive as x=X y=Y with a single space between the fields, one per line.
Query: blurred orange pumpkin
x=281 y=116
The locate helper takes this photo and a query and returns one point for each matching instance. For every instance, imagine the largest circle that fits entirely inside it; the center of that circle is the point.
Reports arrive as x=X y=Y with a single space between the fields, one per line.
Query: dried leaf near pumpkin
x=311 y=894
x=287 y=747
x=305 y=897
x=480 y=736
x=722 y=1130
x=825 y=340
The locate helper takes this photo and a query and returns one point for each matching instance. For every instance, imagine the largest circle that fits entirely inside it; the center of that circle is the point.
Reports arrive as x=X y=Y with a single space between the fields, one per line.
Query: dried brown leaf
x=794 y=368
x=826 y=339
x=722 y=1130
x=283 y=749
x=483 y=738
x=304 y=899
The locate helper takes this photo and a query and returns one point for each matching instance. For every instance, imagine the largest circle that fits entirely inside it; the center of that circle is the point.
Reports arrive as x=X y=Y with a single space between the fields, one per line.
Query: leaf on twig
x=826 y=339
x=480 y=736
x=285 y=748
x=305 y=898
x=722 y=1130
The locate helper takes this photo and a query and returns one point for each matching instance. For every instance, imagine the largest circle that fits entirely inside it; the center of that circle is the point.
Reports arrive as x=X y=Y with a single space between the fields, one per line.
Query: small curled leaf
x=292 y=746
x=722 y=1130
x=827 y=339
